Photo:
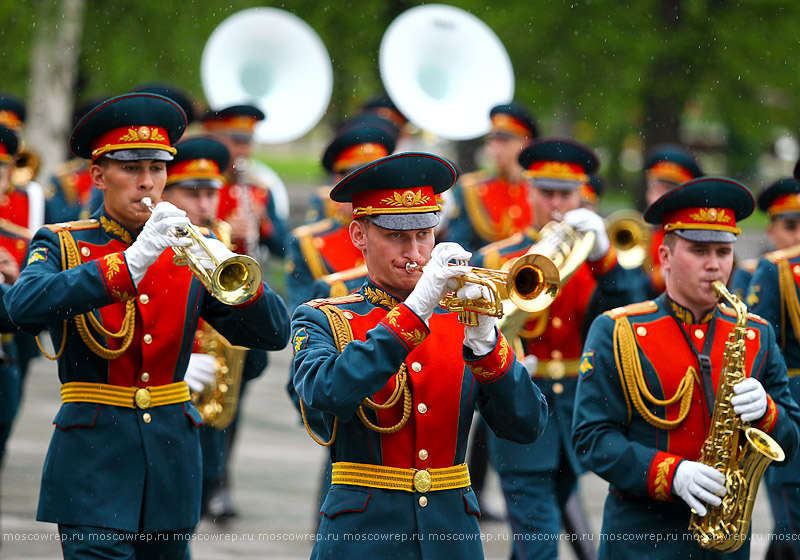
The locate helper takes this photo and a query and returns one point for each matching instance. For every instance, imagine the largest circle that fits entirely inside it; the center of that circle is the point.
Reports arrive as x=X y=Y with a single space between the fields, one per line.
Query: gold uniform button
x=423 y=501
x=422 y=408
x=85 y=251
x=145 y=377
x=641 y=331
x=558 y=388
x=147 y=339
x=796 y=270
x=146 y=417
x=751 y=334
x=416 y=366
x=557 y=322
x=423 y=454
x=556 y=354
x=347 y=315
x=514 y=212
x=144 y=298
x=699 y=334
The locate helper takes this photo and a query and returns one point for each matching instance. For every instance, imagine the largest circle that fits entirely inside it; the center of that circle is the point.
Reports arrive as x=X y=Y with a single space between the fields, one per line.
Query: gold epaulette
x=474 y=178
x=73 y=226
x=749 y=265
x=350 y=298
x=783 y=254
x=632 y=309
x=312 y=229
x=751 y=316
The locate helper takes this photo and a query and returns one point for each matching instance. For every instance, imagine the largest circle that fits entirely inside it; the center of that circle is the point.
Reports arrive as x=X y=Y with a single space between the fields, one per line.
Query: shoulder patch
x=312 y=229
x=783 y=254
x=300 y=340
x=37 y=254
x=350 y=298
x=633 y=309
x=73 y=226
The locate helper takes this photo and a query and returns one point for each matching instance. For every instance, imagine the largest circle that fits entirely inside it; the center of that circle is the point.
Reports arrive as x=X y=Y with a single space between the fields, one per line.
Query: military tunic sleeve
x=338 y=383
x=763 y=293
x=601 y=420
x=44 y=293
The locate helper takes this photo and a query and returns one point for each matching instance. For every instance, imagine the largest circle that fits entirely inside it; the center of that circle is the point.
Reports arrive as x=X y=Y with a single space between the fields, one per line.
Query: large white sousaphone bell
x=274 y=60
x=445 y=69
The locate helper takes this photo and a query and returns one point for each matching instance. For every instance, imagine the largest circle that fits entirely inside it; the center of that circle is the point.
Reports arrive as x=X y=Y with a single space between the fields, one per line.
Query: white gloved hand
x=201 y=371
x=585 y=220
x=750 y=400
x=437 y=279
x=216 y=247
x=698 y=484
x=531 y=362
x=481 y=339
x=154 y=238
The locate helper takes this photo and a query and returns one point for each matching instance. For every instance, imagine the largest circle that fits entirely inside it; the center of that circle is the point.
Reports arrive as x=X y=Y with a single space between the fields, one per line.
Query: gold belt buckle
x=556 y=369
x=422 y=481
x=142 y=398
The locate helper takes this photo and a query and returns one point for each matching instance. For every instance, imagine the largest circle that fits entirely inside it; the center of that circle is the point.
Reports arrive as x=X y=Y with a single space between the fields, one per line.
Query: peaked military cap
x=558 y=164
x=781 y=198
x=593 y=188
x=671 y=163
x=704 y=210
x=130 y=127
x=174 y=93
x=236 y=121
x=384 y=107
x=12 y=111
x=358 y=142
x=399 y=191
x=9 y=142
x=198 y=164
x=513 y=120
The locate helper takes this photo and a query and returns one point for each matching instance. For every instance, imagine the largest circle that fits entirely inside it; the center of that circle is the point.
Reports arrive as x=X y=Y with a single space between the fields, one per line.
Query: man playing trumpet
x=122 y=475
x=396 y=378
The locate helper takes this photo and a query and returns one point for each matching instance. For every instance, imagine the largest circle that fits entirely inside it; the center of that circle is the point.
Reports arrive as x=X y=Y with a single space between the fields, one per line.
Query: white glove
x=750 y=400
x=437 y=279
x=154 y=238
x=216 y=247
x=481 y=339
x=201 y=372
x=531 y=362
x=585 y=220
x=696 y=483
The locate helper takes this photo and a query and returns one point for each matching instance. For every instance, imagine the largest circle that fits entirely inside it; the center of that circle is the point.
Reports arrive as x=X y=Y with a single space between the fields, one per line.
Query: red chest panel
x=14 y=208
x=161 y=309
x=670 y=361
x=432 y=430
x=564 y=319
x=506 y=204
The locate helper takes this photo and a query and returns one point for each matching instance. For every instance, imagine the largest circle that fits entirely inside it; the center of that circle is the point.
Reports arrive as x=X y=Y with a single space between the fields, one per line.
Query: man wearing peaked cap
x=773 y=293
x=391 y=342
x=250 y=198
x=12 y=112
x=649 y=388
x=122 y=475
x=539 y=479
x=174 y=93
x=489 y=207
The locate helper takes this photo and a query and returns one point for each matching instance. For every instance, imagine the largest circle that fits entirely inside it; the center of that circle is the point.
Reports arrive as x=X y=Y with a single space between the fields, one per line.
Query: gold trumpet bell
x=534 y=283
x=236 y=279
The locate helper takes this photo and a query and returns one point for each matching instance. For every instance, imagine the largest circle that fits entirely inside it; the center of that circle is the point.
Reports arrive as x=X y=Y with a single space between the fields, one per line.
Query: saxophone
x=735 y=449
x=217 y=403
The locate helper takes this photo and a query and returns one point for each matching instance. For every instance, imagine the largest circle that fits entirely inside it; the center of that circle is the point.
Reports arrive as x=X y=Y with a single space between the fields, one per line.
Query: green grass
x=295 y=168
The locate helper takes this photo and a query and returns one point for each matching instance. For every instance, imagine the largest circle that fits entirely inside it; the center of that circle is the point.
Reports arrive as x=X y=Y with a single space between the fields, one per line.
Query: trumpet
x=630 y=236
x=234 y=280
x=532 y=284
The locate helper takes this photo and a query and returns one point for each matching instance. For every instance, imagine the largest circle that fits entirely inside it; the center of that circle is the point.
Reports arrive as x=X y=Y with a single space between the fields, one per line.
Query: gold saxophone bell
x=630 y=236
x=26 y=166
x=234 y=280
x=532 y=284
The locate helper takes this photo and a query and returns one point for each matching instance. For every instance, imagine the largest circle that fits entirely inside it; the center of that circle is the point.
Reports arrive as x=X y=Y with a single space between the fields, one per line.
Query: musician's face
x=386 y=253
x=546 y=202
x=125 y=183
x=237 y=147
x=689 y=269
x=784 y=233
x=656 y=189
x=504 y=151
x=200 y=205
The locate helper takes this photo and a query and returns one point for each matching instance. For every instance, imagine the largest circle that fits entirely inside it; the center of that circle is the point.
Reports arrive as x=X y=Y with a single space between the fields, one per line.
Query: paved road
x=276 y=475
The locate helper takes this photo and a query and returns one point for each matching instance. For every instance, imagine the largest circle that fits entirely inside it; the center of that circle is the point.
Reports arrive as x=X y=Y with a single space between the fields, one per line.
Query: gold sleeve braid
x=789 y=303
x=633 y=384
x=70 y=259
x=343 y=335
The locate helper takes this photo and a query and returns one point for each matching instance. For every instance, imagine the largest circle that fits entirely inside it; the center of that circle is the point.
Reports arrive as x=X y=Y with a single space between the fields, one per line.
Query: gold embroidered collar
x=379 y=296
x=115 y=229
x=686 y=316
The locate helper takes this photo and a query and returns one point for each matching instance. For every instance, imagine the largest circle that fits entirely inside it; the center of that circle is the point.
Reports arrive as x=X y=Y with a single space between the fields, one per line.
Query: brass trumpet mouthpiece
x=147 y=202
x=413 y=267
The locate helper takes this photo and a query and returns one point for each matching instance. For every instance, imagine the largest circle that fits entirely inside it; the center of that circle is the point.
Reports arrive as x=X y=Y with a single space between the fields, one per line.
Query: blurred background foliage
x=717 y=75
